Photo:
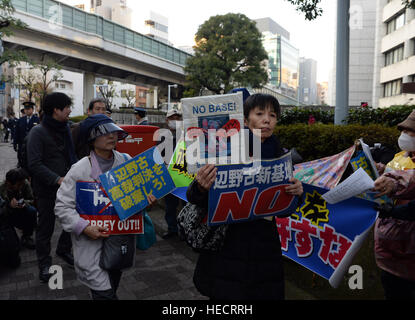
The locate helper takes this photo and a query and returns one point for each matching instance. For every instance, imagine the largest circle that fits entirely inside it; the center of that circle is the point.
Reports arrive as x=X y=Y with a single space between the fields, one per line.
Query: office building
x=308 y=81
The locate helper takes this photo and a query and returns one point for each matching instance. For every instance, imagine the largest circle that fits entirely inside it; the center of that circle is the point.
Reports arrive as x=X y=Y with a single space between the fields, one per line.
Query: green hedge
x=77 y=118
x=361 y=115
x=321 y=140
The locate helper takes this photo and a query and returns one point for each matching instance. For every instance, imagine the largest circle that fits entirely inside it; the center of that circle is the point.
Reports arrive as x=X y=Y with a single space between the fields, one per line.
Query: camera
x=20 y=202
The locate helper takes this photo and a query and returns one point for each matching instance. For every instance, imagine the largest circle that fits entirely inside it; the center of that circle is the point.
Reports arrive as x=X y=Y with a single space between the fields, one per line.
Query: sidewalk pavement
x=163 y=272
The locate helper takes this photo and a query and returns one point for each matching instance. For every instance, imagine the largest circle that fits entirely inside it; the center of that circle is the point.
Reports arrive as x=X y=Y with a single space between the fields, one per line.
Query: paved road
x=164 y=272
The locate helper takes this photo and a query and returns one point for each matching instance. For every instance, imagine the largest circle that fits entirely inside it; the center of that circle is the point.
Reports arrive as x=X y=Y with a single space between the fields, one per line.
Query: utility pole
x=342 y=62
x=2 y=84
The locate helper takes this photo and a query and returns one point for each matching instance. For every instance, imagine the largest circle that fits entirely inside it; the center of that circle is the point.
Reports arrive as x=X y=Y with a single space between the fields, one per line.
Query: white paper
x=347 y=260
x=357 y=183
x=368 y=155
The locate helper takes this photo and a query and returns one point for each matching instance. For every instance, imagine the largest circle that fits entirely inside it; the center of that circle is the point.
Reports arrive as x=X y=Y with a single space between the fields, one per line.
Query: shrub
x=361 y=115
x=77 y=118
x=321 y=140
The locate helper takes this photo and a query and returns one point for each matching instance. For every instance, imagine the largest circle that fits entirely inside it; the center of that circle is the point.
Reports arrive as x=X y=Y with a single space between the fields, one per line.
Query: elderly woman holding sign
x=81 y=205
x=249 y=264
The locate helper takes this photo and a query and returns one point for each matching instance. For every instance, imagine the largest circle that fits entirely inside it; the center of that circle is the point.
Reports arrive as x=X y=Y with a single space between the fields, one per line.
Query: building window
x=396 y=23
x=392 y=88
x=394 y=56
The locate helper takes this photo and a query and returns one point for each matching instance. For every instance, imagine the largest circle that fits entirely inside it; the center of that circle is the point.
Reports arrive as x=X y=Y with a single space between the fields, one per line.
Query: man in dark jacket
x=50 y=155
x=23 y=126
x=96 y=106
x=18 y=210
x=141 y=116
x=12 y=126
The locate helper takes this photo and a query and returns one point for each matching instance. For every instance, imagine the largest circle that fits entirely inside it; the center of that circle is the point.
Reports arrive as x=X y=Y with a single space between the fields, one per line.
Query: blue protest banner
x=325 y=237
x=240 y=194
x=129 y=184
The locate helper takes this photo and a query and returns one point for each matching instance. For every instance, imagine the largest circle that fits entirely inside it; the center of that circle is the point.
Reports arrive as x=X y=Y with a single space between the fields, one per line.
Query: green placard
x=178 y=167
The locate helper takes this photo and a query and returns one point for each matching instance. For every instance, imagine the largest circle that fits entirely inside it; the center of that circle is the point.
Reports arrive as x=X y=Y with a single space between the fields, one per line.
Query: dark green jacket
x=7 y=195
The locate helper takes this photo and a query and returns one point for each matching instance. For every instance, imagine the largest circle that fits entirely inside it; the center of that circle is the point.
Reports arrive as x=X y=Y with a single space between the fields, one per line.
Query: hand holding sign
x=96 y=232
x=206 y=177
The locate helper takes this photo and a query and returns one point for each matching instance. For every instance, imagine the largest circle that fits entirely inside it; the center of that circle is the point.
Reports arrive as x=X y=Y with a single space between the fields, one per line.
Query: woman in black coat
x=249 y=265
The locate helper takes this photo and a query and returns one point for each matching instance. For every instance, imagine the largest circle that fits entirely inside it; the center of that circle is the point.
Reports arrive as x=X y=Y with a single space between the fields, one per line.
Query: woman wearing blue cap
x=102 y=134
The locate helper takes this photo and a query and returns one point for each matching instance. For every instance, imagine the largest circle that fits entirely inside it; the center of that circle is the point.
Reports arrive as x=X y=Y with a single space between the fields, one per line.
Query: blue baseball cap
x=245 y=92
x=139 y=109
x=98 y=125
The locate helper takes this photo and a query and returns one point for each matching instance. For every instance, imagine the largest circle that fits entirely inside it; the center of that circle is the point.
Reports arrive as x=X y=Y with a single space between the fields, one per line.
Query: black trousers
x=172 y=203
x=24 y=219
x=44 y=232
x=110 y=294
x=397 y=288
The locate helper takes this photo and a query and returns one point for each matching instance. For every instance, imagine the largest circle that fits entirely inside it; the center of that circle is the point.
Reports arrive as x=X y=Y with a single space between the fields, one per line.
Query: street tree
x=108 y=92
x=310 y=8
x=228 y=53
x=7 y=23
x=129 y=95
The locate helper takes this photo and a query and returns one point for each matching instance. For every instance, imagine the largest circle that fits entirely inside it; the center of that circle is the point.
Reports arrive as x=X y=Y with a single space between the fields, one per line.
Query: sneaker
x=28 y=242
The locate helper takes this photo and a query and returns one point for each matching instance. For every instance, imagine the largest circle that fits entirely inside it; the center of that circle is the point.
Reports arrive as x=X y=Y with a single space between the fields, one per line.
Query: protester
x=174 y=121
x=12 y=126
x=50 y=155
x=23 y=127
x=249 y=265
x=103 y=135
x=96 y=106
x=6 y=130
x=141 y=116
x=19 y=209
x=395 y=237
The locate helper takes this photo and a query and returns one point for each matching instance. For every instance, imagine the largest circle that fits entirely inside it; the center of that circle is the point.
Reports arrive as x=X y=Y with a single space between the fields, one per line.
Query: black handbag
x=197 y=234
x=118 y=252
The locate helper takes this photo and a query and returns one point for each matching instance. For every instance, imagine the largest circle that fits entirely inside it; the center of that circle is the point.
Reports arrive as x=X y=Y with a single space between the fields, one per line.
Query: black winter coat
x=249 y=266
x=46 y=160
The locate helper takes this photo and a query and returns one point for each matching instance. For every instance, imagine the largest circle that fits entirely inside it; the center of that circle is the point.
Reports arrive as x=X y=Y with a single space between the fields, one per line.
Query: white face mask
x=406 y=142
x=173 y=124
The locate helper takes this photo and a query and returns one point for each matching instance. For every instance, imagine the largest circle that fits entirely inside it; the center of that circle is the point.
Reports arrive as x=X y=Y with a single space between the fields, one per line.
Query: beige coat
x=86 y=251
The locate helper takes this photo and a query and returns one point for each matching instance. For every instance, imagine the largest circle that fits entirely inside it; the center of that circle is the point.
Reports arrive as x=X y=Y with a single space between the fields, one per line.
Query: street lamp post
x=168 y=94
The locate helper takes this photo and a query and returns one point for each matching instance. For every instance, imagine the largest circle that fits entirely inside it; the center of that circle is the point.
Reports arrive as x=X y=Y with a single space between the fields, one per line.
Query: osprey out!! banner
x=245 y=192
x=93 y=205
x=129 y=184
x=325 y=237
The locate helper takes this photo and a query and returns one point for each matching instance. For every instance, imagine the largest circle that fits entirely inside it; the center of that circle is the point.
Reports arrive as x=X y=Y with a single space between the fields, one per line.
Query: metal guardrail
x=95 y=24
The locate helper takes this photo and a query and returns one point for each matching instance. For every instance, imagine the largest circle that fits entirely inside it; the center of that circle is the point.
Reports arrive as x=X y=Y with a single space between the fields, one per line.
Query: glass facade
x=283 y=64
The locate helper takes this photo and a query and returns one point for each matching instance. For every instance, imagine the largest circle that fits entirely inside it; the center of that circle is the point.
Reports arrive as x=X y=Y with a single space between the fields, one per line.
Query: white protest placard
x=213 y=127
x=368 y=155
x=355 y=184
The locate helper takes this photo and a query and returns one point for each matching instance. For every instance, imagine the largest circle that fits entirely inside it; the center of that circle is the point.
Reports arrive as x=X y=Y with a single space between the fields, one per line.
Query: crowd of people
x=54 y=154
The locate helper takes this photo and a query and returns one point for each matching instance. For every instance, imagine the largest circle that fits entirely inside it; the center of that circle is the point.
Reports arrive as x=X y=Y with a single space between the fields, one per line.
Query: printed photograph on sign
x=213 y=129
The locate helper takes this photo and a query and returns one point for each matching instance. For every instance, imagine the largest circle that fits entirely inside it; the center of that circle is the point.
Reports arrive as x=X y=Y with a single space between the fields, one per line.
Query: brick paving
x=164 y=272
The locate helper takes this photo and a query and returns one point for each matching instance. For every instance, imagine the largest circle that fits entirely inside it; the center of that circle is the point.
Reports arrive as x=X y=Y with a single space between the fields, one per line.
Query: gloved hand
x=385 y=210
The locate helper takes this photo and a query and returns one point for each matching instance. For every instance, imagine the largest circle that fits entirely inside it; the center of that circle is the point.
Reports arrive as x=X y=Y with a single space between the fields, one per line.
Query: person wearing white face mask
x=174 y=122
x=394 y=237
